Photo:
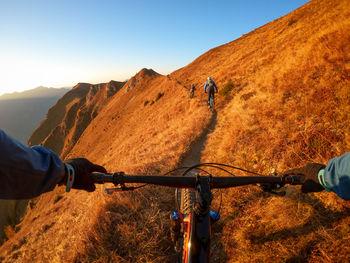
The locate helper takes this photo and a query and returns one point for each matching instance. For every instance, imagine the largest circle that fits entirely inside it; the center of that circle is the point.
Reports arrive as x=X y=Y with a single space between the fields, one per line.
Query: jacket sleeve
x=26 y=172
x=216 y=88
x=205 y=86
x=337 y=176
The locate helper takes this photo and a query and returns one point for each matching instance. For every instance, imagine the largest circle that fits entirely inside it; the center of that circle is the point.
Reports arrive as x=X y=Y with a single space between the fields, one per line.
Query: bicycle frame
x=198 y=237
x=198 y=225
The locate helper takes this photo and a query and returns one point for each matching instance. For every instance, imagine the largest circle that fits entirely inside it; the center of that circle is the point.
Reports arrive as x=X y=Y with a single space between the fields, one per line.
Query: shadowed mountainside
x=283 y=102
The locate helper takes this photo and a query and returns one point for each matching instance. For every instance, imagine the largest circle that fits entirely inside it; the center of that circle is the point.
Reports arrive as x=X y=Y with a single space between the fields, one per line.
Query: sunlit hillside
x=68 y=118
x=283 y=102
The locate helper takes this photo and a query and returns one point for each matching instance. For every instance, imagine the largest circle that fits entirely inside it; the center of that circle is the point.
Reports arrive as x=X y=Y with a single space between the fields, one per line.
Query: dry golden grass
x=132 y=227
x=291 y=108
x=134 y=137
x=294 y=110
x=127 y=136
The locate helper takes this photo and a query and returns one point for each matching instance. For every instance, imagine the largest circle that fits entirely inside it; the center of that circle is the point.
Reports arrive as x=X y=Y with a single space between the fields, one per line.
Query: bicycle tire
x=188 y=199
x=211 y=103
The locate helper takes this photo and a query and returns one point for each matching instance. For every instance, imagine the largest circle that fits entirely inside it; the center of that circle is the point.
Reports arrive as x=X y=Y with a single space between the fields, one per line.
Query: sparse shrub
x=291 y=22
x=228 y=87
x=152 y=102
x=32 y=204
x=248 y=95
x=159 y=96
x=9 y=232
x=58 y=198
x=145 y=103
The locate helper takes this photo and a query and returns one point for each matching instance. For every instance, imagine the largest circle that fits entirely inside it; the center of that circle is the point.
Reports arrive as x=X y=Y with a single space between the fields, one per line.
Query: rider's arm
x=337 y=176
x=26 y=172
x=216 y=88
x=205 y=86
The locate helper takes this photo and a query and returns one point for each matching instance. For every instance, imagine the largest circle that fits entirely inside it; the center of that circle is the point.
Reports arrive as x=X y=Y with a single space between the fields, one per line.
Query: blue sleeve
x=205 y=86
x=216 y=88
x=337 y=176
x=26 y=172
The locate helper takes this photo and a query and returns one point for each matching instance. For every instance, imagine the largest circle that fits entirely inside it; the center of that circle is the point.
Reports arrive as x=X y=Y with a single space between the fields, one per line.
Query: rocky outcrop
x=68 y=118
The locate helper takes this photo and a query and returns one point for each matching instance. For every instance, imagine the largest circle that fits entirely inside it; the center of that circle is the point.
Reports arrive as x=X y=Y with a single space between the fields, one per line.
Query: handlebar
x=191 y=181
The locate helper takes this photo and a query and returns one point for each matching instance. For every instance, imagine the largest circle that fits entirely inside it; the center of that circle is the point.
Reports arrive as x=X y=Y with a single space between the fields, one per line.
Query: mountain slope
x=67 y=120
x=128 y=115
x=288 y=106
x=127 y=134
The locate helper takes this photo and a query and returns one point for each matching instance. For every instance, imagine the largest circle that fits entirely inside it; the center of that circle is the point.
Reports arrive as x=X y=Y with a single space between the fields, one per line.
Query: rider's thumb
x=98 y=168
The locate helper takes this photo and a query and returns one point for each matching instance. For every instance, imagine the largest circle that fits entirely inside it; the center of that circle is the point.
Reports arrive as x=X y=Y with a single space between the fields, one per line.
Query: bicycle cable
x=208 y=165
x=230 y=166
x=185 y=167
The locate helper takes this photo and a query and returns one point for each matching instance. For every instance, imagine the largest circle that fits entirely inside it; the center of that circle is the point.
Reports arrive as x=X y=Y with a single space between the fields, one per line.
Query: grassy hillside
x=68 y=118
x=289 y=106
x=283 y=103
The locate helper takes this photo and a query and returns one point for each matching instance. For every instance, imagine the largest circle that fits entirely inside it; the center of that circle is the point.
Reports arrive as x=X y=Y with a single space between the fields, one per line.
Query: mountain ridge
x=38 y=92
x=21 y=112
x=68 y=118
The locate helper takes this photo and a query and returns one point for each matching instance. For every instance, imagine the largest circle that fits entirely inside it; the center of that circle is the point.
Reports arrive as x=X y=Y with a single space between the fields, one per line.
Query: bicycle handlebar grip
x=295 y=179
x=101 y=178
x=98 y=178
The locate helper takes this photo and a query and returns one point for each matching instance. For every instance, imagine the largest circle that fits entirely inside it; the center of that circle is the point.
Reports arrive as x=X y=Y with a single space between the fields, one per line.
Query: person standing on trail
x=192 y=89
x=210 y=85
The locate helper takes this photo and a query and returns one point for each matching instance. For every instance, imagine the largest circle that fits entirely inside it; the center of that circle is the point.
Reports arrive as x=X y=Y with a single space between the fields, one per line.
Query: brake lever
x=295 y=180
x=270 y=187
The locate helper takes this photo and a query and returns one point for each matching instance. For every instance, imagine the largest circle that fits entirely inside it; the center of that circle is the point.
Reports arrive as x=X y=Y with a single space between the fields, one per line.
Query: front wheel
x=211 y=103
x=188 y=199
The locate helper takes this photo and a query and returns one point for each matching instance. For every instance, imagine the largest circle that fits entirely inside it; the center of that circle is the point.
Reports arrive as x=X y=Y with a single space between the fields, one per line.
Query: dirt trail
x=194 y=155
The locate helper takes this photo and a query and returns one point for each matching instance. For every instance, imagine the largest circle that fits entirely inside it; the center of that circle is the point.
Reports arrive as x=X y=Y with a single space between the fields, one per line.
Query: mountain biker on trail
x=192 y=90
x=210 y=85
x=26 y=172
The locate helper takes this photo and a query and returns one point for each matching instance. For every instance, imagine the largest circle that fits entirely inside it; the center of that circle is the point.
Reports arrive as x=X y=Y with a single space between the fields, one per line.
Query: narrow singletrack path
x=193 y=156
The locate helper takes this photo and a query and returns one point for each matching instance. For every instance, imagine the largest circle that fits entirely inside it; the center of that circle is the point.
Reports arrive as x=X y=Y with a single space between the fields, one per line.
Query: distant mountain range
x=22 y=112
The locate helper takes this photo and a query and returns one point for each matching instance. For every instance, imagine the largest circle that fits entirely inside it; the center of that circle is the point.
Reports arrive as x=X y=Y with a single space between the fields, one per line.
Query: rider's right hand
x=310 y=181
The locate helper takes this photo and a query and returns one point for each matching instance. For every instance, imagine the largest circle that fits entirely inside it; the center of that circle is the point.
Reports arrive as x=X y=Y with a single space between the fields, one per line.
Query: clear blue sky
x=61 y=42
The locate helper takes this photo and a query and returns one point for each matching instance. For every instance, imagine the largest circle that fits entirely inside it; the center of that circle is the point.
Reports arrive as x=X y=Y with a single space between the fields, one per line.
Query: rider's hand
x=83 y=169
x=310 y=181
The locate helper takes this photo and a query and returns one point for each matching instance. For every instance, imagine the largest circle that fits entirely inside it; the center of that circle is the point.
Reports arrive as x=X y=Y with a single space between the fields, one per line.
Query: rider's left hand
x=83 y=169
